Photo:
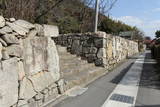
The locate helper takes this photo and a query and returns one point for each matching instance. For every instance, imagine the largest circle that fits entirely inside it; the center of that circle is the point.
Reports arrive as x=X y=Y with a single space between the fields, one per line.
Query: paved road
x=123 y=81
x=149 y=90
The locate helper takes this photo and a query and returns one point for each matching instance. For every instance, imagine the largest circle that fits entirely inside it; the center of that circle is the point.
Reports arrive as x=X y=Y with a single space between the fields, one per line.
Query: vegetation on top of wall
x=157 y=33
x=70 y=15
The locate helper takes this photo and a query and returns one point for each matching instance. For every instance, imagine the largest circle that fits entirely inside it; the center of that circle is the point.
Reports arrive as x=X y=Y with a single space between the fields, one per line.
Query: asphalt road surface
x=133 y=83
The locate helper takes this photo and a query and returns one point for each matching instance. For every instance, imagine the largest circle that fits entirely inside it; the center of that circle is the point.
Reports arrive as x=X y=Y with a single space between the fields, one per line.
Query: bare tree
x=87 y=15
x=23 y=9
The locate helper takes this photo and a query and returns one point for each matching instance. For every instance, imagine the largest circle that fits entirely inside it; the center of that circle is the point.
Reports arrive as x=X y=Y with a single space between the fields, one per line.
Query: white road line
x=128 y=86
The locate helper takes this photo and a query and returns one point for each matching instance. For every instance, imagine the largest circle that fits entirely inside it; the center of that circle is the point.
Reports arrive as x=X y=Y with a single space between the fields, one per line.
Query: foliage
x=69 y=15
x=157 y=33
x=115 y=27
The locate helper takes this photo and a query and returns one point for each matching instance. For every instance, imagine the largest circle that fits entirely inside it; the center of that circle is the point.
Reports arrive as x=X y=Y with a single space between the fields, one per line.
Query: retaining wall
x=29 y=64
x=99 y=48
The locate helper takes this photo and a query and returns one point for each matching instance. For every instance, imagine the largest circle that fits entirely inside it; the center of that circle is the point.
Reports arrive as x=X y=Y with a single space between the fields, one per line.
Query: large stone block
x=50 y=31
x=42 y=80
x=5 y=30
x=20 y=30
x=24 y=24
x=10 y=39
x=9 y=82
x=100 y=42
x=26 y=90
x=102 y=53
x=75 y=47
x=40 y=54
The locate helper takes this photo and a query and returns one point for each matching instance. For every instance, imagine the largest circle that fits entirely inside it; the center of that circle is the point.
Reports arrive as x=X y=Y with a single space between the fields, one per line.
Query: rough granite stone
x=9 y=82
x=46 y=77
x=10 y=39
x=50 y=31
x=60 y=84
x=40 y=54
x=3 y=42
x=32 y=33
x=26 y=89
x=5 y=55
x=21 y=72
x=1 y=48
x=24 y=24
x=12 y=19
x=101 y=53
x=20 y=30
x=39 y=29
x=14 y=50
x=2 y=21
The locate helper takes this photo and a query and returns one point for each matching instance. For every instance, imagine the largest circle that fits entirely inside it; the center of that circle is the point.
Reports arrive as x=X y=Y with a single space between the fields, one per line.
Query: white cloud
x=156 y=10
x=130 y=20
x=148 y=26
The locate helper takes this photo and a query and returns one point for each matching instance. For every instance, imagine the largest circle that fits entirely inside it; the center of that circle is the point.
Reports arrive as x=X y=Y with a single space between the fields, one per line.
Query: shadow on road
x=149 y=106
x=119 y=77
x=150 y=77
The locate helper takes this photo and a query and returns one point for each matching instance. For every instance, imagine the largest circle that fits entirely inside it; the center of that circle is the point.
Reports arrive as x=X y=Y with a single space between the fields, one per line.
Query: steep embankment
x=70 y=15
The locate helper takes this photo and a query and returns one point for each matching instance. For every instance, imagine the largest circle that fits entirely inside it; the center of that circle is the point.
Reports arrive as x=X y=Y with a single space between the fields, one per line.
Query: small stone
x=45 y=91
x=39 y=29
x=32 y=33
x=1 y=47
x=91 y=58
x=100 y=42
x=5 y=55
x=2 y=21
x=10 y=39
x=32 y=100
x=22 y=103
x=15 y=105
x=21 y=72
x=55 y=92
x=61 y=86
x=102 y=53
x=99 y=62
x=86 y=50
x=3 y=42
x=39 y=96
x=15 y=50
x=12 y=19
x=93 y=50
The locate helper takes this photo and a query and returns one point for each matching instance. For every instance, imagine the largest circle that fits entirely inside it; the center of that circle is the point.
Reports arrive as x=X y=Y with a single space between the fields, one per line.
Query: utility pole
x=96 y=15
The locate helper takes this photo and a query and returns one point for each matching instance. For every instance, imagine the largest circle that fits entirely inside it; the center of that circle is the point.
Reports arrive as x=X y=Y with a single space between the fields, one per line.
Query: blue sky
x=145 y=14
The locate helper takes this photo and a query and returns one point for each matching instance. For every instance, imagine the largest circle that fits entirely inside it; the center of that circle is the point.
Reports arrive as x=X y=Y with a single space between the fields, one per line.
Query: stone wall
x=99 y=48
x=29 y=69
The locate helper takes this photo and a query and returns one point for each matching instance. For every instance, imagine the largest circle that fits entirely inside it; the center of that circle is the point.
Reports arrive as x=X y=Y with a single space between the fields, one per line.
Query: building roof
x=127 y=34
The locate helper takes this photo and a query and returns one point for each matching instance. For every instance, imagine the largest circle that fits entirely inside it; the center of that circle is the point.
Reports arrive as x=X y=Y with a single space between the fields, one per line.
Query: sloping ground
x=76 y=71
